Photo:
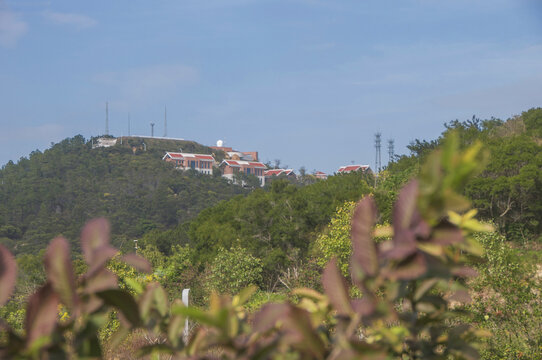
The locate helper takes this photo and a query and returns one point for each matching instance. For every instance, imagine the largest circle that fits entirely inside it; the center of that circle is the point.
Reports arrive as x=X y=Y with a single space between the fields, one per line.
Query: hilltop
x=54 y=192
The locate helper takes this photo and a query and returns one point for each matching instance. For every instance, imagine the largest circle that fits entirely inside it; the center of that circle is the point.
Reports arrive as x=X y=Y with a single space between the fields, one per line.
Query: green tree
x=234 y=269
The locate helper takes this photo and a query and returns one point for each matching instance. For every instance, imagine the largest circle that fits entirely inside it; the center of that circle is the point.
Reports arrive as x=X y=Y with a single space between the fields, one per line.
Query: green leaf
x=423 y=288
x=8 y=274
x=244 y=295
x=197 y=315
x=161 y=301
x=123 y=302
x=134 y=285
x=175 y=329
x=60 y=271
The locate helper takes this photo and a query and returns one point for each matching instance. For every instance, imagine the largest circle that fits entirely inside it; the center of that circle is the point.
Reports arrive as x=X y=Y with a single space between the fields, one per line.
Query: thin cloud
x=77 y=20
x=12 y=28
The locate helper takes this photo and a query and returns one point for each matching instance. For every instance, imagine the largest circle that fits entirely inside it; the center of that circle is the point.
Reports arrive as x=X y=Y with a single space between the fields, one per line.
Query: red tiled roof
x=320 y=173
x=179 y=156
x=277 y=172
x=272 y=172
x=349 y=168
x=239 y=163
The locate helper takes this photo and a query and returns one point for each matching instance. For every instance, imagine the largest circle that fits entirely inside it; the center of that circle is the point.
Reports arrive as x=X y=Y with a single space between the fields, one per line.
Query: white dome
x=220 y=143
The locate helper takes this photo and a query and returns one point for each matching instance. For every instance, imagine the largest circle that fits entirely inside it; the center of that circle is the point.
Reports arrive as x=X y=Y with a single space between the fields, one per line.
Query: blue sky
x=308 y=82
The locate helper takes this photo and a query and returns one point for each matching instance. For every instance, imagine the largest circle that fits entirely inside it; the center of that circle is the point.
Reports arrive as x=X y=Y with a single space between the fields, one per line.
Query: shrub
x=234 y=269
x=408 y=284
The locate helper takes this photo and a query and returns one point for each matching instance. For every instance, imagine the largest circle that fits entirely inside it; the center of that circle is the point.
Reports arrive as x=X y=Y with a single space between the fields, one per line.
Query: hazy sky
x=305 y=81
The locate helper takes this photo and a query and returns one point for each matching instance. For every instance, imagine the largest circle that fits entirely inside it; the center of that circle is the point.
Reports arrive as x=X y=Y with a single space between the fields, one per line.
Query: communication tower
x=378 y=144
x=391 y=152
x=106 y=118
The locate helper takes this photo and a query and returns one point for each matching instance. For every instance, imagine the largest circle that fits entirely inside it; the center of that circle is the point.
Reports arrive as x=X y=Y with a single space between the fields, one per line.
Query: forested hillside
x=202 y=233
x=57 y=191
x=509 y=190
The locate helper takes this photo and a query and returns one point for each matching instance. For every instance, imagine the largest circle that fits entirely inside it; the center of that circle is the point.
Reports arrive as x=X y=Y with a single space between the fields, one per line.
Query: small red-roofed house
x=202 y=163
x=320 y=175
x=350 y=168
x=231 y=167
x=289 y=173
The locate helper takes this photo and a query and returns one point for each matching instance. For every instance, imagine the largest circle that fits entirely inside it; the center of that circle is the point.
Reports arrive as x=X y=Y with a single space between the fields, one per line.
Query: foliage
x=508 y=192
x=408 y=286
x=56 y=191
x=85 y=302
x=233 y=270
x=335 y=242
x=507 y=301
x=276 y=226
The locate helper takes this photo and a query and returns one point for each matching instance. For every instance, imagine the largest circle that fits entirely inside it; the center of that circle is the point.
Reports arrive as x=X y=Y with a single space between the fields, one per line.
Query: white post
x=184 y=298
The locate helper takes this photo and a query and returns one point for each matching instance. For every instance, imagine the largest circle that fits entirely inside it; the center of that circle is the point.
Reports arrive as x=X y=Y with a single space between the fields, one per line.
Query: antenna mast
x=152 y=129
x=106 y=118
x=165 y=121
x=378 y=140
x=391 y=152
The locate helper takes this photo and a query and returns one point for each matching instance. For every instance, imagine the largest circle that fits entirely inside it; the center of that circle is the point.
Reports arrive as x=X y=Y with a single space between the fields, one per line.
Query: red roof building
x=320 y=175
x=231 y=167
x=277 y=172
x=202 y=163
x=349 y=168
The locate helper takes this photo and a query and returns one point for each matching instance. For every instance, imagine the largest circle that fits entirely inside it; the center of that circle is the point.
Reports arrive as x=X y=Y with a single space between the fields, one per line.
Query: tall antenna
x=391 y=153
x=378 y=140
x=152 y=129
x=106 y=118
x=129 y=133
x=165 y=121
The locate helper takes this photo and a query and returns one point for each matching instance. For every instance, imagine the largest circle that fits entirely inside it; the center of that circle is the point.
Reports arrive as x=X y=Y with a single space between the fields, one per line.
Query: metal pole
x=184 y=298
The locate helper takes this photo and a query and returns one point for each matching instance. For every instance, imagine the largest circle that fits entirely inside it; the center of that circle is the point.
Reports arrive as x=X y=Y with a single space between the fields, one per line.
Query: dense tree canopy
x=58 y=190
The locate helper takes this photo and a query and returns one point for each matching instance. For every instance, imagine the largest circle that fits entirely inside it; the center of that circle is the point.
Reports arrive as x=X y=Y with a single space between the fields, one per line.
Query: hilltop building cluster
x=241 y=162
x=234 y=163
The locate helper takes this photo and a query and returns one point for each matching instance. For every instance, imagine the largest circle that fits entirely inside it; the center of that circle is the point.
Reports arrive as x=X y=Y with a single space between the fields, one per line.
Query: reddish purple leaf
x=410 y=268
x=336 y=289
x=404 y=245
x=447 y=234
x=100 y=281
x=8 y=274
x=95 y=243
x=405 y=206
x=364 y=306
x=41 y=313
x=60 y=271
x=364 y=249
x=407 y=223
x=138 y=262
x=298 y=324
x=464 y=271
x=422 y=228
x=267 y=317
